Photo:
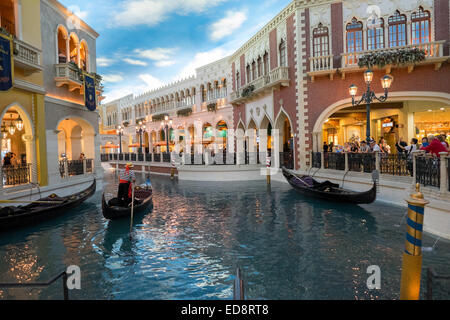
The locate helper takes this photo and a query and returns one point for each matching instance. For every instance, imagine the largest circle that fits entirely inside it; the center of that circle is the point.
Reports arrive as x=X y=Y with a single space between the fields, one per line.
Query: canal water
x=190 y=243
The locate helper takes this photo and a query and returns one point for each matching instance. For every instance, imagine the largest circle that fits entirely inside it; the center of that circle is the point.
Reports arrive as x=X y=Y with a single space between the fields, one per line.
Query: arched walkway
x=284 y=141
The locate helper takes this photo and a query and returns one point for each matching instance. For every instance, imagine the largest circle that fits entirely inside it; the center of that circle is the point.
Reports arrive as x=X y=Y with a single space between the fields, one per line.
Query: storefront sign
x=90 y=97
x=6 y=63
x=109 y=138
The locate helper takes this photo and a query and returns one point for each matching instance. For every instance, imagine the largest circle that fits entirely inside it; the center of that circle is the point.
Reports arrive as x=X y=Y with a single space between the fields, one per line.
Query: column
x=230 y=146
x=262 y=146
x=240 y=151
x=187 y=146
x=251 y=134
x=444 y=176
x=277 y=146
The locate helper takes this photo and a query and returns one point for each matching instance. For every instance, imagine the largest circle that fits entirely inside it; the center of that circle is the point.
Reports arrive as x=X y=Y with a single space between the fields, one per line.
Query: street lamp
x=369 y=96
x=165 y=125
x=120 y=133
x=140 y=129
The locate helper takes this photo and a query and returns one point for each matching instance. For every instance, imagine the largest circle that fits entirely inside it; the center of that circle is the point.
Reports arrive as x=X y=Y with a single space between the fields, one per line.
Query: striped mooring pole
x=268 y=169
x=412 y=257
x=172 y=169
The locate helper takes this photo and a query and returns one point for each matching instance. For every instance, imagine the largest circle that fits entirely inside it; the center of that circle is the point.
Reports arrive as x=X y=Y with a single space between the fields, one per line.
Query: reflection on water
x=189 y=245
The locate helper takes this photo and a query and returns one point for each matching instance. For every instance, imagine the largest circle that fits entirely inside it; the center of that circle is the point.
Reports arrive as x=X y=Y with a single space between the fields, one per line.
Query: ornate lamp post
x=166 y=124
x=120 y=133
x=139 y=130
x=369 y=96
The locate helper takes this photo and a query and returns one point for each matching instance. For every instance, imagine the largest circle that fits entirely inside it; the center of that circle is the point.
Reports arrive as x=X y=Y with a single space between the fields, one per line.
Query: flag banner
x=6 y=63
x=90 y=97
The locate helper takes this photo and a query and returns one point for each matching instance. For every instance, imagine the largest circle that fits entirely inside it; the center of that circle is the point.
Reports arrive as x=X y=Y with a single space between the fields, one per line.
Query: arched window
x=73 y=48
x=259 y=62
x=320 y=41
x=7 y=17
x=375 y=37
x=249 y=76
x=354 y=36
x=397 y=30
x=224 y=88
x=266 y=63
x=420 y=26
x=283 y=59
x=84 y=56
x=62 y=45
x=254 y=70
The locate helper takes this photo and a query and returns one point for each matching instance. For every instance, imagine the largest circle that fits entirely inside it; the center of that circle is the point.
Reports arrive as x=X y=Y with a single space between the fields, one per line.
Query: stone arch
x=283 y=138
x=86 y=135
x=62 y=44
x=84 y=56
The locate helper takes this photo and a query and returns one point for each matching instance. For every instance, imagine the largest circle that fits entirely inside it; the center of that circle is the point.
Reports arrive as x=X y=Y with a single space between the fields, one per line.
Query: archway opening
x=84 y=56
x=73 y=49
x=285 y=141
x=17 y=147
x=62 y=45
x=222 y=135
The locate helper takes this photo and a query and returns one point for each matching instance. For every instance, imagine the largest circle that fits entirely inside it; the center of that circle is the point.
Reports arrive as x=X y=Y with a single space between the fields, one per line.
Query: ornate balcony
x=433 y=55
x=68 y=74
x=27 y=57
x=321 y=66
x=276 y=78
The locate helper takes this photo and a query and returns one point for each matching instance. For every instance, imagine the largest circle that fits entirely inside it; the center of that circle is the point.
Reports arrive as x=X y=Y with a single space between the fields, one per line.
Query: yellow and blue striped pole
x=412 y=257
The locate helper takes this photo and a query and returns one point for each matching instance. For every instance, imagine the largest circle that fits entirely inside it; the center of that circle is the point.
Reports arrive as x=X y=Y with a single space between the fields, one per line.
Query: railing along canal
x=432 y=276
x=399 y=164
x=62 y=275
x=16 y=175
x=316 y=158
x=335 y=161
x=361 y=162
x=428 y=171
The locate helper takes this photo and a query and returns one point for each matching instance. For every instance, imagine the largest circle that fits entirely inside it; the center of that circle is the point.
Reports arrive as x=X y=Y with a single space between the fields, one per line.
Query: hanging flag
x=6 y=63
x=90 y=96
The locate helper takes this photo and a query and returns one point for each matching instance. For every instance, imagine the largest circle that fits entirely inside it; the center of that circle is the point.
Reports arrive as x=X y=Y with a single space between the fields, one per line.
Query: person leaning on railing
x=435 y=146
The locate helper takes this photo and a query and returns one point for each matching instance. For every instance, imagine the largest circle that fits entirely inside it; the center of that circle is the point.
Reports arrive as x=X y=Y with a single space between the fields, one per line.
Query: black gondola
x=328 y=190
x=112 y=211
x=21 y=216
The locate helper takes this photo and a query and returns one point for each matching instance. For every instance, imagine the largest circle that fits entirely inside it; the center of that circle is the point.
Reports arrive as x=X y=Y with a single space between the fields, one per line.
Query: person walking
x=126 y=179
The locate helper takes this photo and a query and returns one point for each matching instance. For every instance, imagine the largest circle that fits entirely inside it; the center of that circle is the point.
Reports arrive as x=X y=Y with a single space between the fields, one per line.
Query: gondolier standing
x=126 y=177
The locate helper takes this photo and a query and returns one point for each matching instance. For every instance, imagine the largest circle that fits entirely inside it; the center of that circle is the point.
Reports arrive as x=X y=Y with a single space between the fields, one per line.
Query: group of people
x=431 y=144
x=10 y=160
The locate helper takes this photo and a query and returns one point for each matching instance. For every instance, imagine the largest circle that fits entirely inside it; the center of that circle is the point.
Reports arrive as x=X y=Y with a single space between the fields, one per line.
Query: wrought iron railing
x=140 y=157
x=361 y=162
x=432 y=276
x=62 y=275
x=75 y=167
x=157 y=157
x=120 y=156
x=335 y=161
x=287 y=160
x=166 y=157
x=16 y=175
x=148 y=157
x=104 y=157
x=428 y=171
x=89 y=165
x=396 y=164
x=133 y=157
x=316 y=158
x=115 y=156
x=127 y=157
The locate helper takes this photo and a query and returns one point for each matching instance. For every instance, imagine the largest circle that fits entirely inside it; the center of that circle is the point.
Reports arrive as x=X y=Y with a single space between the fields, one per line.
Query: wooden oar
x=24 y=201
x=132 y=209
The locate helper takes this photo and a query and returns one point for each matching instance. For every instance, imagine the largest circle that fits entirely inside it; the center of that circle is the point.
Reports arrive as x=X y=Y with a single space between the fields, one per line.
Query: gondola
x=112 y=211
x=21 y=216
x=328 y=190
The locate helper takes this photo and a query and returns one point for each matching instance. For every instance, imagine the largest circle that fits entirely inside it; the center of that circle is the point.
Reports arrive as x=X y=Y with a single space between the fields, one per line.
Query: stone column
x=444 y=175
x=277 y=146
x=251 y=134
x=177 y=148
x=262 y=146
x=377 y=161
x=346 y=161
x=240 y=150
x=230 y=147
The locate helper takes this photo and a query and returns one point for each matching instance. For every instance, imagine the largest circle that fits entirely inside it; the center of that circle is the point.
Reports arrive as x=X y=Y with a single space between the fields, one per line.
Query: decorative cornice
x=28 y=86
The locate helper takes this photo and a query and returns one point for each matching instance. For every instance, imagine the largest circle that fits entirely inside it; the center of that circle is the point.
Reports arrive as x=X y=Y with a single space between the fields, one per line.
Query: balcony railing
x=68 y=74
x=432 y=50
x=27 y=57
x=71 y=168
x=321 y=63
x=396 y=164
x=276 y=77
x=16 y=175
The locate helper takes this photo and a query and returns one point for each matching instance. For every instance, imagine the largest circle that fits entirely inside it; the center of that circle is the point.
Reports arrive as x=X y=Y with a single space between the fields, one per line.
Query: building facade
x=298 y=69
x=69 y=51
x=22 y=106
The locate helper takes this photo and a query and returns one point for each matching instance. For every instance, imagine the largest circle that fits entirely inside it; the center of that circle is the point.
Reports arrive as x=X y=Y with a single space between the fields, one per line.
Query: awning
x=135 y=145
x=110 y=146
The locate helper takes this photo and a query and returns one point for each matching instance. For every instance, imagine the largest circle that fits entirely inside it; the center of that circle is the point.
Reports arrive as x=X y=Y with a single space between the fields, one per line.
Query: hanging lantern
x=19 y=124
x=12 y=127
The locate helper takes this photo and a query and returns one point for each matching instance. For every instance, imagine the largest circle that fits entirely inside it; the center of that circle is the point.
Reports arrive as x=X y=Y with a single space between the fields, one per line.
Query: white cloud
x=151 y=81
x=152 y=12
x=165 y=63
x=157 y=54
x=104 y=62
x=135 y=62
x=227 y=25
x=203 y=58
x=112 y=78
